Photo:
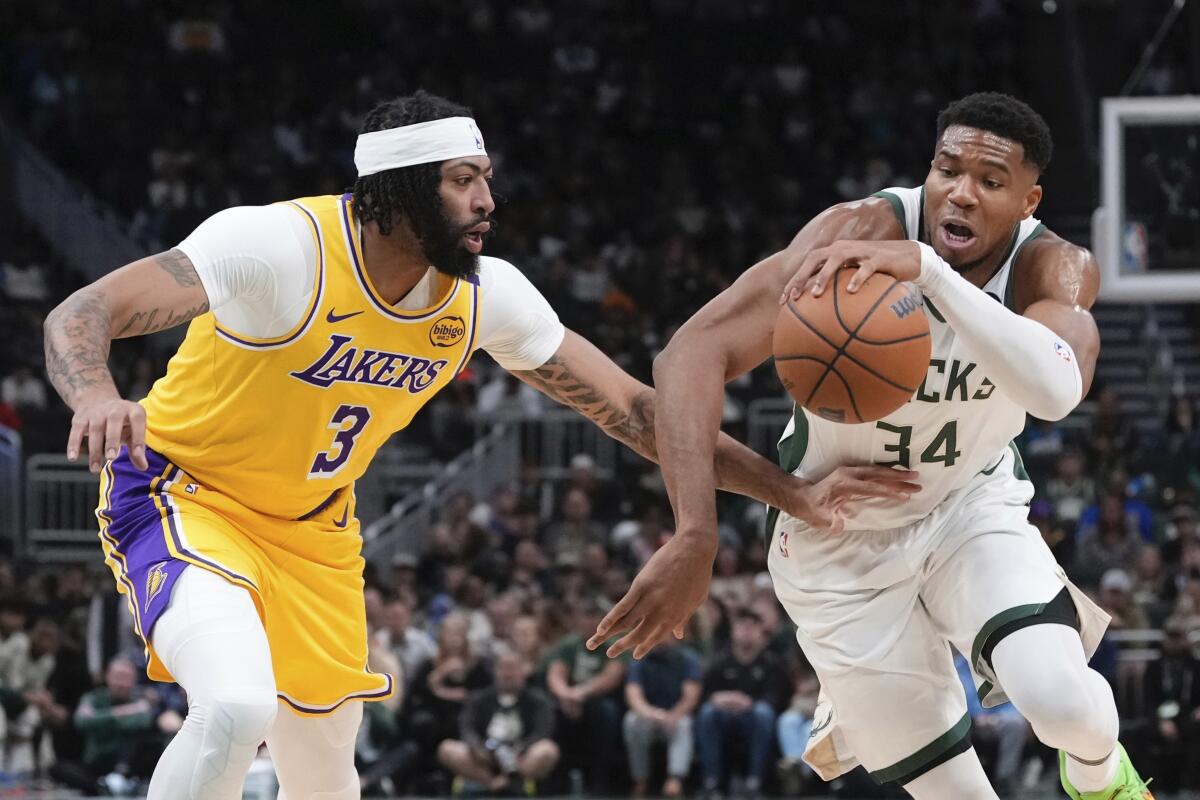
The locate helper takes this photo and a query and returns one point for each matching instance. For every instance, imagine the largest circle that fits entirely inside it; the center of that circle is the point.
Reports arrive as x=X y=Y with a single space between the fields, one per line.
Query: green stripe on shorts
x=940 y=750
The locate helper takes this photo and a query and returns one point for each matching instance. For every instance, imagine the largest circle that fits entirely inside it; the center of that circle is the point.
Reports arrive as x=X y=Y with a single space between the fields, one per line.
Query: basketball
x=853 y=357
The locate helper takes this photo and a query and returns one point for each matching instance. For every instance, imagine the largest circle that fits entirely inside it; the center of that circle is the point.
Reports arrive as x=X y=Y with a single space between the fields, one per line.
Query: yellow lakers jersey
x=280 y=424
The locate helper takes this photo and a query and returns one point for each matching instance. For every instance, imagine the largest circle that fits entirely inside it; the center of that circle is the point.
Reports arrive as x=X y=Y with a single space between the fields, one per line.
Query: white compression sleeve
x=1026 y=360
x=213 y=642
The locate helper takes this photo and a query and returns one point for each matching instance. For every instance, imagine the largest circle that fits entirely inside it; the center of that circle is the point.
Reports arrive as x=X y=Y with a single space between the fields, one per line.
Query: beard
x=442 y=240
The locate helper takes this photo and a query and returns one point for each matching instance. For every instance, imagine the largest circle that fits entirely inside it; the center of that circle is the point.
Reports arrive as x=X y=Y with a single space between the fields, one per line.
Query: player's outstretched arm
x=149 y=295
x=581 y=377
x=728 y=337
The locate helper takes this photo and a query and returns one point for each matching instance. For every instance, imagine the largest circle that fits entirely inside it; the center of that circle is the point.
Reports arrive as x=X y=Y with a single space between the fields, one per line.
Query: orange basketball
x=853 y=357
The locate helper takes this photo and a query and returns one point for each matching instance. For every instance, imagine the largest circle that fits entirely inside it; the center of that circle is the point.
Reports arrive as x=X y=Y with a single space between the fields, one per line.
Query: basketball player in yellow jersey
x=319 y=327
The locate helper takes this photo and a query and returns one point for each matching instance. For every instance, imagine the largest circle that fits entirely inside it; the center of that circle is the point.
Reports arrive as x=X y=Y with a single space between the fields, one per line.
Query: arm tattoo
x=633 y=427
x=77 y=345
x=143 y=322
x=738 y=468
x=178 y=266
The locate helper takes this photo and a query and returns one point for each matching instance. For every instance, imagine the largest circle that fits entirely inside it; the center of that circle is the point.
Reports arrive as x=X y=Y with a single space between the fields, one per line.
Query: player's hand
x=899 y=258
x=669 y=588
x=828 y=504
x=106 y=423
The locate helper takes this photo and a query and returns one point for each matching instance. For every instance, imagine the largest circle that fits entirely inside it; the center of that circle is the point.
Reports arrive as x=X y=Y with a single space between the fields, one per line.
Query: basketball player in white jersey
x=880 y=600
x=240 y=560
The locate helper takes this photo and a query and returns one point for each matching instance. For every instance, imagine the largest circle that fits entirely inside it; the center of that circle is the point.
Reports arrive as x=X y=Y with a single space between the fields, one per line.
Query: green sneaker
x=1127 y=785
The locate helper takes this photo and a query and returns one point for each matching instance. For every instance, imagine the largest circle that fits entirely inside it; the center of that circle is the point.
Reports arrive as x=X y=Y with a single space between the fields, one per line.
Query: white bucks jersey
x=957 y=425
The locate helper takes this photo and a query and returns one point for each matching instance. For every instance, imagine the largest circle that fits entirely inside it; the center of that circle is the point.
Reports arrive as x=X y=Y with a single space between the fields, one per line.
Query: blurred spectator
x=593 y=570
x=412 y=647
x=1154 y=589
x=730 y=584
x=439 y=689
x=23 y=390
x=794 y=727
x=1172 y=690
x=14 y=646
x=1070 y=490
x=404 y=578
x=1116 y=597
x=744 y=690
x=531 y=573
x=661 y=690
x=576 y=529
x=526 y=641
x=585 y=683
x=1060 y=541
x=504 y=394
x=1113 y=543
x=117 y=724
x=1179 y=448
x=606 y=500
x=373 y=603
x=1111 y=440
x=1002 y=727
x=502 y=612
x=1135 y=509
x=1180 y=534
x=504 y=740
x=55 y=689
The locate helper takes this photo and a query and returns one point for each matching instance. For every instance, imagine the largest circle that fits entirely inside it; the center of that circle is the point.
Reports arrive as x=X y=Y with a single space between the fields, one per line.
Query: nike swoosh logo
x=332 y=317
x=820 y=726
x=341 y=523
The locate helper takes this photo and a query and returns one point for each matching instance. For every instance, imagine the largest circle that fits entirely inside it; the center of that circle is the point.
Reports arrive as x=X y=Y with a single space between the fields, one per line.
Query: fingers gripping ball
x=853 y=357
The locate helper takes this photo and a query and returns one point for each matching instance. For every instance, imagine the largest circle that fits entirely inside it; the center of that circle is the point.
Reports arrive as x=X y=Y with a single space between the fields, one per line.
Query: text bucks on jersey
x=955 y=426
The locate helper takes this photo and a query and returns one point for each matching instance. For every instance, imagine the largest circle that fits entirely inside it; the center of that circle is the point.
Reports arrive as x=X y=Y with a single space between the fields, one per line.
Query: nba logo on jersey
x=1062 y=351
x=783 y=549
x=156 y=579
x=191 y=488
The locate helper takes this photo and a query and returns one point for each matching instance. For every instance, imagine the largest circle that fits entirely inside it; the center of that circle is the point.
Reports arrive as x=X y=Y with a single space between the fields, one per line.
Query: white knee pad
x=234 y=725
x=242 y=718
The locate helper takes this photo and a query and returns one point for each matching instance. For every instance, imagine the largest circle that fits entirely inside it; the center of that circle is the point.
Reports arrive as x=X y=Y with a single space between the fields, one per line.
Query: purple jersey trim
x=365 y=284
x=329 y=709
x=474 y=325
x=136 y=532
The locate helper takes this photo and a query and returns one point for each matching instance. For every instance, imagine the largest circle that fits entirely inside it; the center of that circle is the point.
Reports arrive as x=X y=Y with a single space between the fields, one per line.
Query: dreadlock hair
x=1003 y=115
x=405 y=192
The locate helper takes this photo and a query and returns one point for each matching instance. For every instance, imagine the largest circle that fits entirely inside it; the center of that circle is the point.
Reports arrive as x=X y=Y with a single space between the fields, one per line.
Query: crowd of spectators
x=632 y=194
x=485 y=631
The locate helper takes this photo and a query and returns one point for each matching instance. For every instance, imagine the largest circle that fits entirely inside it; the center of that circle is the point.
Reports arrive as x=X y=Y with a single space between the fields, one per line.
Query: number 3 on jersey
x=942 y=450
x=349 y=422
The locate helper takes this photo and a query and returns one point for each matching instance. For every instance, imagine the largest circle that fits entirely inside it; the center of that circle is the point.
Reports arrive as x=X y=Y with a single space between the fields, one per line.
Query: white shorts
x=878 y=611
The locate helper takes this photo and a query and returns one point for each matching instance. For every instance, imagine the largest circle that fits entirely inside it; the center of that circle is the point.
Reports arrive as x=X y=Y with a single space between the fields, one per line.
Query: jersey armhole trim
x=255 y=343
x=470 y=348
x=1010 y=290
x=896 y=204
x=791 y=454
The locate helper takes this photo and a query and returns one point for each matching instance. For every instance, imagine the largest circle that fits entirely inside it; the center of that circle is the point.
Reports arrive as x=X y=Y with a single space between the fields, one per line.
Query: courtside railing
x=493 y=460
x=60 y=503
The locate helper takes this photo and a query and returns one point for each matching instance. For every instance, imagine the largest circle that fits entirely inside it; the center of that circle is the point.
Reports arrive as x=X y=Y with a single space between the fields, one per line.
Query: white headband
x=422 y=143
